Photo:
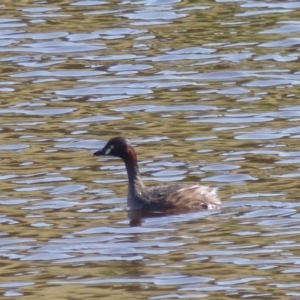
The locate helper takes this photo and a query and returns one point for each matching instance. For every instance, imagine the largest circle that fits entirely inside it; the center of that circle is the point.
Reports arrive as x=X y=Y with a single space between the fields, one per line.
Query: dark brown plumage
x=177 y=196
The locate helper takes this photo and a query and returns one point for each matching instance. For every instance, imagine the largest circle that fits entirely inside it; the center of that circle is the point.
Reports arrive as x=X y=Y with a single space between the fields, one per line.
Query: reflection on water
x=207 y=92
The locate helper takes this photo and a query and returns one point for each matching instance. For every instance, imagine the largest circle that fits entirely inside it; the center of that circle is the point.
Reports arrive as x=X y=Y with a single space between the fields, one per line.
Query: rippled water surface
x=207 y=91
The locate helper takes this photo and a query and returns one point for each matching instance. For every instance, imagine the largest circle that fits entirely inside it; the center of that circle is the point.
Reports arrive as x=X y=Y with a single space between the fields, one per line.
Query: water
x=207 y=92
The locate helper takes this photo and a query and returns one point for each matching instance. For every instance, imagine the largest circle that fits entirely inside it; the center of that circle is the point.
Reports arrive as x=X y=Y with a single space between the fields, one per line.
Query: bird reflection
x=138 y=216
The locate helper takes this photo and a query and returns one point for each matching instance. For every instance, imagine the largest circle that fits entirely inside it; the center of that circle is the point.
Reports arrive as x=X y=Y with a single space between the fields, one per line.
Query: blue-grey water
x=207 y=91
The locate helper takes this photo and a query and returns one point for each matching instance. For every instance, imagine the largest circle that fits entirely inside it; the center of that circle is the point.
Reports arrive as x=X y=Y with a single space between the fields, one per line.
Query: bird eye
x=111 y=147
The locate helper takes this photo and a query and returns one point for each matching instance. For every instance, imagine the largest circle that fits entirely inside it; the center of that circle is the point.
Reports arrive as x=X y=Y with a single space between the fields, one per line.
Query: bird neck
x=135 y=183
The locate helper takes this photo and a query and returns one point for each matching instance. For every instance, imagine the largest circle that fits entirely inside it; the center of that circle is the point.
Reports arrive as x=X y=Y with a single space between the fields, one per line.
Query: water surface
x=207 y=92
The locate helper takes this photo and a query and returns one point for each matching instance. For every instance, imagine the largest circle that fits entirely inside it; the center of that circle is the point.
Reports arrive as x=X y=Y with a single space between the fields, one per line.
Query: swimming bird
x=158 y=198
